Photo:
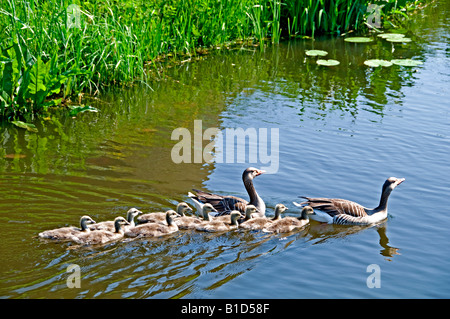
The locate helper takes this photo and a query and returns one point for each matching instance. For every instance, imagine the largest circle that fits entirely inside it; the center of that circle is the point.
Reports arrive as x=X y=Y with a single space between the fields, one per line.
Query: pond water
x=342 y=131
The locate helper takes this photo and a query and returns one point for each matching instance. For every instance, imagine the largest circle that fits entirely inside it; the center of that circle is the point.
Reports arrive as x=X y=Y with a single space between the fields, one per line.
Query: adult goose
x=155 y=229
x=220 y=226
x=288 y=224
x=345 y=212
x=159 y=217
x=102 y=236
x=259 y=223
x=226 y=204
x=110 y=224
x=66 y=233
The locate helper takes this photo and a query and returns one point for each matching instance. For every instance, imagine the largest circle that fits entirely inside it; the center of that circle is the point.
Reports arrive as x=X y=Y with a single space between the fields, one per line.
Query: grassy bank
x=52 y=51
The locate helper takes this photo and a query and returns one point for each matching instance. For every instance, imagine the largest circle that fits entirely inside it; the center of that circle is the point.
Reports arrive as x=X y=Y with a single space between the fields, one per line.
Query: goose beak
x=399 y=181
x=259 y=172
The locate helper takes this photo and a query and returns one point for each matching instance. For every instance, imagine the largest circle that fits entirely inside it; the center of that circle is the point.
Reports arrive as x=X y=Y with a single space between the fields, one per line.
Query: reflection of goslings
x=73 y=16
x=375 y=14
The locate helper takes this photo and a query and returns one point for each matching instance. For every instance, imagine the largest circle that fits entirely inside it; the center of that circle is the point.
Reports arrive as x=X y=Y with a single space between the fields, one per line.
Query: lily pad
x=74 y=110
x=316 y=53
x=329 y=62
x=28 y=126
x=358 y=39
x=391 y=35
x=376 y=63
x=401 y=40
x=406 y=62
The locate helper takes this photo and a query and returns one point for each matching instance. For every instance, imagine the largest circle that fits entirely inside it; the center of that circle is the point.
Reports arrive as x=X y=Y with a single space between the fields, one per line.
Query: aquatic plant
x=406 y=62
x=329 y=62
x=376 y=63
x=316 y=53
x=46 y=58
x=358 y=39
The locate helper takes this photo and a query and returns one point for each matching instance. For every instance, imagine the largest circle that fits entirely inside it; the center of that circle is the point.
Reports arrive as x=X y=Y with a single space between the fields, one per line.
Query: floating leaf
x=316 y=53
x=391 y=35
x=406 y=62
x=402 y=40
x=376 y=63
x=74 y=110
x=28 y=126
x=328 y=62
x=358 y=39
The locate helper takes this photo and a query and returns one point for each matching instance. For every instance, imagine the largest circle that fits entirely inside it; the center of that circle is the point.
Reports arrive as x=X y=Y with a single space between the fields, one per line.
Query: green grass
x=47 y=61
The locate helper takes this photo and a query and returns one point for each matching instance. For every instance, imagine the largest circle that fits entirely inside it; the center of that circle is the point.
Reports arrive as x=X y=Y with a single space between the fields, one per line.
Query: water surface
x=342 y=132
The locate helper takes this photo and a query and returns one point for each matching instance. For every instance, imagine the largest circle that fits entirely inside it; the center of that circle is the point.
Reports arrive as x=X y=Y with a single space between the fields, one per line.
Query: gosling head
x=207 y=208
x=132 y=213
x=249 y=210
x=170 y=215
x=119 y=222
x=86 y=220
x=306 y=212
x=279 y=209
x=182 y=208
x=234 y=216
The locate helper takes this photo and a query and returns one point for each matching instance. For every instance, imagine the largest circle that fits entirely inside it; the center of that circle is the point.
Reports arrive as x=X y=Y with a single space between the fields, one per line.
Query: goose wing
x=223 y=204
x=336 y=206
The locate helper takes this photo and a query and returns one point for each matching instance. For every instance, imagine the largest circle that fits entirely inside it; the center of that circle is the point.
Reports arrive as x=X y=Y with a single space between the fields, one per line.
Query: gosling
x=289 y=224
x=66 y=233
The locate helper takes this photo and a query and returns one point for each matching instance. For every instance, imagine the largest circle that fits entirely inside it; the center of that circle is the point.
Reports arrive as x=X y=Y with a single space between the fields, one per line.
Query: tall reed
x=44 y=56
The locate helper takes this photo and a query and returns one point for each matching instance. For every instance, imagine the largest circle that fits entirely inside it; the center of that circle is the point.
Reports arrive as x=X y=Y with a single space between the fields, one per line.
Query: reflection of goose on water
x=66 y=233
x=288 y=224
x=155 y=229
x=322 y=233
x=102 y=236
x=345 y=212
x=259 y=223
x=110 y=224
x=159 y=217
x=226 y=204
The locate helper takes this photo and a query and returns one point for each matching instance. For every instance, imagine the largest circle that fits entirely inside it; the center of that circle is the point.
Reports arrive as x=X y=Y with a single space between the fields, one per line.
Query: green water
x=342 y=132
